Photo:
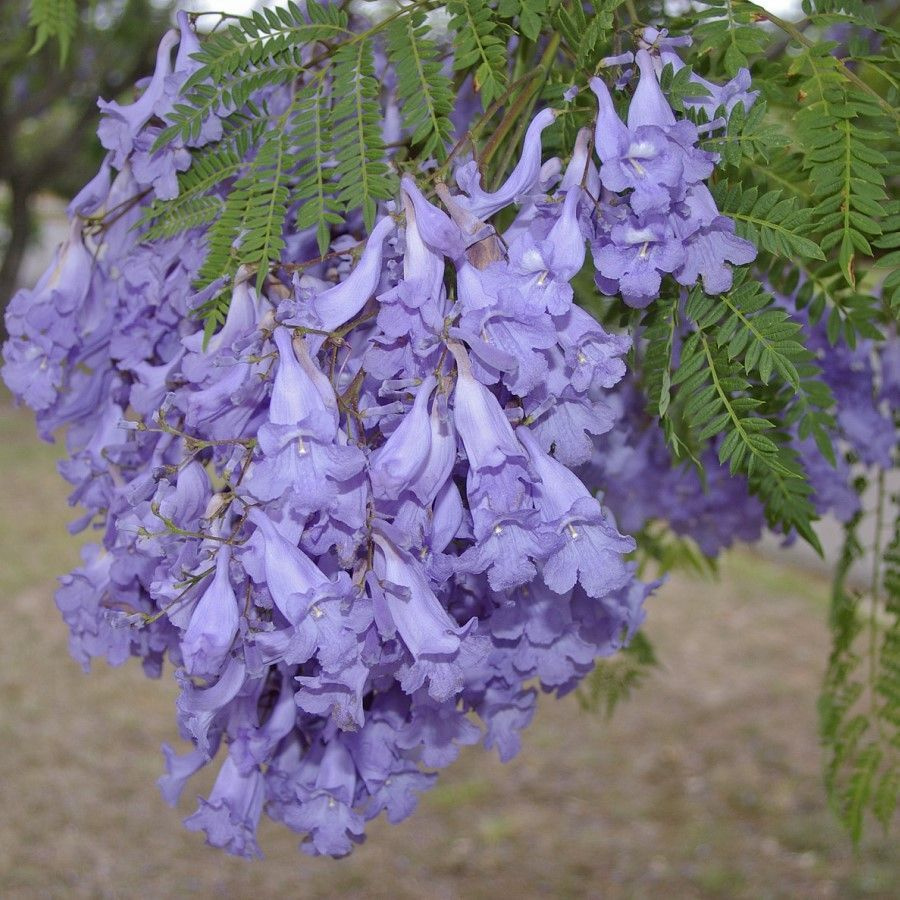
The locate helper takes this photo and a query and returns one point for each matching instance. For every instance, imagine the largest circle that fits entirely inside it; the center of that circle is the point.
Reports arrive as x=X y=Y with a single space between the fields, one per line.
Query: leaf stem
x=518 y=106
x=876 y=599
x=801 y=38
x=543 y=67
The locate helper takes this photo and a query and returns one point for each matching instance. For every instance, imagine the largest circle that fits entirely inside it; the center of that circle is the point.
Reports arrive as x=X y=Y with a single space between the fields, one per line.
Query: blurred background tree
x=48 y=104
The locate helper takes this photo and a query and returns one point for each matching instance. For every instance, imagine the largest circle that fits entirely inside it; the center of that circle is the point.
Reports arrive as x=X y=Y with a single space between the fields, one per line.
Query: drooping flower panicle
x=353 y=518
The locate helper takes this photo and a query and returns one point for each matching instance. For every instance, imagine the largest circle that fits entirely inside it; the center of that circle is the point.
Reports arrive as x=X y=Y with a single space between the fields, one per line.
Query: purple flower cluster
x=865 y=383
x=656 y=215
x=350 y=519
x=643 y=483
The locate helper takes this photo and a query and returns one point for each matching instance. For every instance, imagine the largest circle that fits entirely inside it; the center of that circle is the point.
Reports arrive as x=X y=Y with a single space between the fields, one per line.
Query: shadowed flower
x=214 y=623
x=433 y=639
x=231 y=814
x=592 y=551
x=393 y=467
x=325 y=808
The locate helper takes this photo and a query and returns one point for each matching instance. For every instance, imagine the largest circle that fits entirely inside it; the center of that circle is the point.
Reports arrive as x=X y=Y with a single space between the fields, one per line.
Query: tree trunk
x=20 y=224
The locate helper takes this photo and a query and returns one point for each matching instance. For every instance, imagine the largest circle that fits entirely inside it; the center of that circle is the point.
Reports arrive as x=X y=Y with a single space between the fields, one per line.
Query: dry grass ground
x=706 y=784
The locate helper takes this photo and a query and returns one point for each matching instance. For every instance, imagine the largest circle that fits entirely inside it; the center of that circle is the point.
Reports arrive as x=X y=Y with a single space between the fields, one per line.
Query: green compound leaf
x=54 y=19
x=424 y=92
x=361 y=174
x=479 y=42
x=859 y=707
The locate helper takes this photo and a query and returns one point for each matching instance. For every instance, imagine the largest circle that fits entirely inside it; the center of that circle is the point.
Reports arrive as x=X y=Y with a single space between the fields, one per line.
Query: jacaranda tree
x=393 y=347
x=48 y=111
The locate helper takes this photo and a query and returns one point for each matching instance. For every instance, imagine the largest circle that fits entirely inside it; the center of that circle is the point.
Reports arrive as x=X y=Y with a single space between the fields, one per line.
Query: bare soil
x=705 y=784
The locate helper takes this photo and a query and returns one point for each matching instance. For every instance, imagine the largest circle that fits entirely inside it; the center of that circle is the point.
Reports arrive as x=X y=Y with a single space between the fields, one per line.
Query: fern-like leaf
x=773 y=222
x=312 y=144
x=424 y=92
x=614 y=679
x=479 y=41
x=225 y=97
x=212 y=168
x=717 y=398
x=259 y=50
x=265 y=34
x=730 y=29
x=766 y=340
x=586 y=36
x=851 y=313
x=841 y=154
x=361 y=173
x=250 y=228
x=859 y=708
x=54 y=19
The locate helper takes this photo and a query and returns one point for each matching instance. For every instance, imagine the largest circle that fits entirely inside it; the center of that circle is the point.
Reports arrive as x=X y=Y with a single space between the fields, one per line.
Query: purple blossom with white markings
x=374 y=510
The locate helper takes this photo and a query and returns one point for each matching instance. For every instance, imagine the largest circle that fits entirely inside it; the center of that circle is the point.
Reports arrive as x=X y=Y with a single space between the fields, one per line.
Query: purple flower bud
x=484 y=429
x=92 y=197
x=299 y=393
x=648 y=105
x=622 y=59
x=442 y=452
x=423 y=624
x=121 y=124
x=434 y=227
x=188 y=44
x=566 y=241
x=339 y=304
x=610 y=133
x=395 y=465
x=581 y=167
x=521 y=182
x=293 y=579
x=447 y=517
x=423 y=268
x=214 y=623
